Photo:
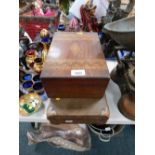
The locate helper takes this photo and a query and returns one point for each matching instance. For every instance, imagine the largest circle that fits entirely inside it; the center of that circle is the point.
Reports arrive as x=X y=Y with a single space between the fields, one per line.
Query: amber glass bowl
x=38 y=63
x=30 y=57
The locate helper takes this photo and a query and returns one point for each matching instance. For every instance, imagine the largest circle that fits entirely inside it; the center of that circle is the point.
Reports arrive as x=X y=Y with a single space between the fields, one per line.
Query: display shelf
x=112 y=93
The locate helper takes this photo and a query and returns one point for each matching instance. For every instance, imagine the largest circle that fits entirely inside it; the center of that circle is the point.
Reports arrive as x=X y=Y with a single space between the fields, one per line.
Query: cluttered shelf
x=112 y=94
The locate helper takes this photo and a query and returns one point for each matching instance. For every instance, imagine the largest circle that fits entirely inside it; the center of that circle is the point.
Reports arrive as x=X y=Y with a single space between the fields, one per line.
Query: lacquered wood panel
x=71 y=110
x=75 y=51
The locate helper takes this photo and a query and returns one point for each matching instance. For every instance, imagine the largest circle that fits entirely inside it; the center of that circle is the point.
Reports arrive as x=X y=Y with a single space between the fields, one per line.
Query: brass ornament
x=44 y=33
x=29 y=104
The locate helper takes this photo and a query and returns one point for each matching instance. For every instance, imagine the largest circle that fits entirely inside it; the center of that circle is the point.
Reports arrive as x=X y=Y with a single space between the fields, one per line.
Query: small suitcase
x=79 y=110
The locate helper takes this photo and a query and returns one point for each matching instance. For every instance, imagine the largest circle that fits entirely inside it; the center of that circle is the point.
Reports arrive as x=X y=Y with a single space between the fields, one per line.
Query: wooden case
x=79 y=110
x=75 y=66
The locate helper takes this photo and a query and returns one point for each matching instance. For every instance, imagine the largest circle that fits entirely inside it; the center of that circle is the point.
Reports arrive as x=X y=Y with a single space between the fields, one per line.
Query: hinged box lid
x=75 y=54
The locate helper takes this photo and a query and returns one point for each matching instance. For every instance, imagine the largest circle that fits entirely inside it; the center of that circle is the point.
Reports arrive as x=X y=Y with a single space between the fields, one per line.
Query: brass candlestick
x=44 y=34
x=44 y=51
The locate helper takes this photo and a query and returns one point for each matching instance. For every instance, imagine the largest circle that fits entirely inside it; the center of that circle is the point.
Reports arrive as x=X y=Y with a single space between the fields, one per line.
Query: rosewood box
x=75 y=66
x=78 y=110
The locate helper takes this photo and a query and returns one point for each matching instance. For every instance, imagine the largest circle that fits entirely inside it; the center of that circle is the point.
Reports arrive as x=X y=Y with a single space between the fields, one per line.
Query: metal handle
x=104 y=137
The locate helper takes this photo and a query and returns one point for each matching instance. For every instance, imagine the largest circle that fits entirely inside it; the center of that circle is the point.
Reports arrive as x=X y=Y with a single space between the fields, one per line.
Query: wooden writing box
x=79 y=110
x=75 y=66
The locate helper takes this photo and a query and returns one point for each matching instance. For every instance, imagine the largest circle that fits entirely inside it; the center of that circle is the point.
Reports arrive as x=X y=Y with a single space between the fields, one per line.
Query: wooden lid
x=75 y=51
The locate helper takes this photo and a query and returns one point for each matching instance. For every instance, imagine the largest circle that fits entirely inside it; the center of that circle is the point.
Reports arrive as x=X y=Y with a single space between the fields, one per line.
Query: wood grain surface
x=75 y=51
x=71 y=110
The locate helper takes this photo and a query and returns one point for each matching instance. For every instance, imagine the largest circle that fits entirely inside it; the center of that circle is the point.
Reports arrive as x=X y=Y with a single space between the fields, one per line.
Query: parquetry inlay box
x=75 y=66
